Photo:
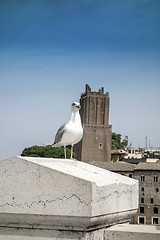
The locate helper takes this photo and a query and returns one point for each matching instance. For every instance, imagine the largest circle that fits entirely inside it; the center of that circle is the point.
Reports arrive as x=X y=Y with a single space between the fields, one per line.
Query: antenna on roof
x=146 y=141
x=149 y=143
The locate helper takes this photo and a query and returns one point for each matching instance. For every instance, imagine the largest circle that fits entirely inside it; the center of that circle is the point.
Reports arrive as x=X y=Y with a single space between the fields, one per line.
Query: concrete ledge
x=132 y=232
x=63 y=222
x=117 y=232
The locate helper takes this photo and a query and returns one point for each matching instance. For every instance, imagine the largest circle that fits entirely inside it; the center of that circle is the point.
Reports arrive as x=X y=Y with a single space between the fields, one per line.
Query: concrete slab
x=63 y=194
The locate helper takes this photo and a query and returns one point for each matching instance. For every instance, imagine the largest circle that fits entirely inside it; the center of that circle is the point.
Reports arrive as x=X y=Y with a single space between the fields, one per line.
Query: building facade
x=148 y=175
x=96 y=141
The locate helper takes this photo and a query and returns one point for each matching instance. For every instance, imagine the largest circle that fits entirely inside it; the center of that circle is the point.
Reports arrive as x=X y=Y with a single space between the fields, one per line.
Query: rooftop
x=148 y=166
x=118 y=151
x=115 y=166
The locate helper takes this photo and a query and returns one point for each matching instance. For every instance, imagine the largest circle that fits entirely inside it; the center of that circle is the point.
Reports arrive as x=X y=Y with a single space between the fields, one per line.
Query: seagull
x=71 y=132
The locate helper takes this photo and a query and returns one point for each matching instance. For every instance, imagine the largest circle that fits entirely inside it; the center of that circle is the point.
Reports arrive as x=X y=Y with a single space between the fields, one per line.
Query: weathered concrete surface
x=59 y=196
x=39 y=234
x=42 y=234
x=132 y=232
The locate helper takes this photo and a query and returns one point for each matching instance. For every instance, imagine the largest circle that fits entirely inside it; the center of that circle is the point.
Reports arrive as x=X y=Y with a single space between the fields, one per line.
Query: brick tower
x=96 y=142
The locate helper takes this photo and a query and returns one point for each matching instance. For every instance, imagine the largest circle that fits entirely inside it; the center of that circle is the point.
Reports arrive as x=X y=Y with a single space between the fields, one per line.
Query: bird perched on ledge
x=71 y=132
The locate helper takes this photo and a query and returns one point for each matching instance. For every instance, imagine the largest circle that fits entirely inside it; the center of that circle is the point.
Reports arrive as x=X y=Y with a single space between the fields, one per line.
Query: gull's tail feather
x=55 y=145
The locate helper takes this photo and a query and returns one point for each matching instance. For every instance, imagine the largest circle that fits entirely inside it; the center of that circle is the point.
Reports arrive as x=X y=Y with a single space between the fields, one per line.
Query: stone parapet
x=63 y=196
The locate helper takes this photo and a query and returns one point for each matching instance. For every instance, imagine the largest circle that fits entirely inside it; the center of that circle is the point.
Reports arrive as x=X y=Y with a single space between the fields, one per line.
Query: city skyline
x=51 y=49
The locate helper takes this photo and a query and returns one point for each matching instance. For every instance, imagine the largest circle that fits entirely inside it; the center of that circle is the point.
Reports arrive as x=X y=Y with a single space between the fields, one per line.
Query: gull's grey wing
x=59 y=134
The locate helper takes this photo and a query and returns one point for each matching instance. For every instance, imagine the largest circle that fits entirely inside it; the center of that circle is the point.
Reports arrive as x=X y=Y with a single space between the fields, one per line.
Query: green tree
x=149 y=154
x=46 y=151
x=117 y=143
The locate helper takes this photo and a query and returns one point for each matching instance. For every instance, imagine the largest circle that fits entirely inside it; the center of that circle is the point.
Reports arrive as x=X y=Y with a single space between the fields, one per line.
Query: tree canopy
x=149 y=154
x=117 y=143
x=45 y=151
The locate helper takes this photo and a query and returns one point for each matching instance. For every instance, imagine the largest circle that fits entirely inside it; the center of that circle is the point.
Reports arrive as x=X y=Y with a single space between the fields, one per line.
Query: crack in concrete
x=64 y=198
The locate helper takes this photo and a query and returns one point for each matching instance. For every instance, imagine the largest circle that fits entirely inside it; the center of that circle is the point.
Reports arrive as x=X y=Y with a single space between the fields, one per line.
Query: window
x=155 y=210
x=132 y=151
x=141 y=220
x=155 y=178
x=129 y=151
x=151 y=200
x=142 y=178
x=142 y=189
x=157 y=189
x=130 y=175
x=155 y=220
x=141 y=209
x=100 y=145
x=142 y=200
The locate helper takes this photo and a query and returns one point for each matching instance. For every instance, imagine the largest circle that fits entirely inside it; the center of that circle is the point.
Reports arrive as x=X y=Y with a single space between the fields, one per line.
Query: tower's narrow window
x=155 y=178
x=142 y=178
x=100 y=145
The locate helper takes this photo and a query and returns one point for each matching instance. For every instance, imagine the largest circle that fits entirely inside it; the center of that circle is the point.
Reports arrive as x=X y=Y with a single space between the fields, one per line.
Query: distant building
x=141 y=155
x=152 y=149
x=133 y=156
x=148 y=175
x=132 y=153
x=154 y=152
x=152 y=160
x=117 y=155
x=96 y=141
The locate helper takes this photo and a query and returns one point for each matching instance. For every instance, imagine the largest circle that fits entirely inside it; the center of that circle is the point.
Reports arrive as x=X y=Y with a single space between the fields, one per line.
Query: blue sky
x=50 y=49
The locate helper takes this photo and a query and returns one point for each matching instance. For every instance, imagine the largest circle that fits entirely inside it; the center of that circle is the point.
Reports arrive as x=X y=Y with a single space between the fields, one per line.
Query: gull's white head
x=76 y=106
